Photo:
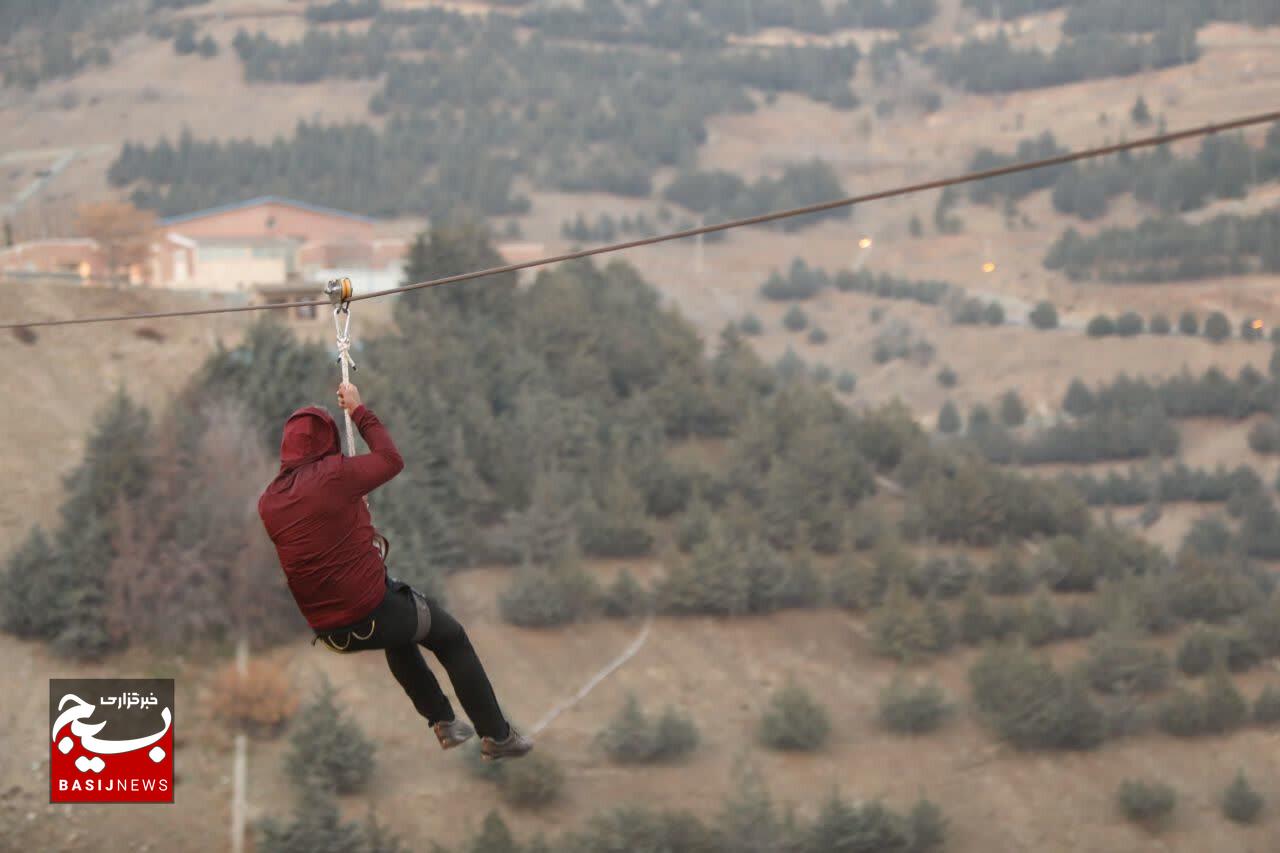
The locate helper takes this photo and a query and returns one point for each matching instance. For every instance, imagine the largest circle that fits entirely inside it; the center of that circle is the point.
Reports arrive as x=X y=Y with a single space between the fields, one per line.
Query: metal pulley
x=339 y=291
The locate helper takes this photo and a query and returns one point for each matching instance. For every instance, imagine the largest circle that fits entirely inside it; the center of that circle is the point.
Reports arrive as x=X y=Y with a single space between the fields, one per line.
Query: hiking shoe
x=514 y=746
x=452 y=733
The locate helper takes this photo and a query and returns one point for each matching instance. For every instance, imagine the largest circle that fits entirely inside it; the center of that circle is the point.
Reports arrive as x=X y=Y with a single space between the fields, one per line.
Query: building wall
x=232 y=273
x=73 y=255
x=274 y=219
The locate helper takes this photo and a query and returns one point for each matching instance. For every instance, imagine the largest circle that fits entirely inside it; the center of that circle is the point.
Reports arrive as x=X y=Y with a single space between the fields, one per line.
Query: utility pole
x=239 y=767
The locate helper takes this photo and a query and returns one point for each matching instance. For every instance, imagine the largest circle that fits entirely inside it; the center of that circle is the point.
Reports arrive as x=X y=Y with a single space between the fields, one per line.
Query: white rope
x=343 y=331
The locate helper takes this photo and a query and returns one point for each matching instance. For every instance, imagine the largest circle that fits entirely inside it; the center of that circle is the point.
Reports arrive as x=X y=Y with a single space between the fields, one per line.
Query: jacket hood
x=310 y=434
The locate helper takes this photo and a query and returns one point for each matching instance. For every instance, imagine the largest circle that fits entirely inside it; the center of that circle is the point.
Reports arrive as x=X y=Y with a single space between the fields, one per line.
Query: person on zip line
x=316 y=514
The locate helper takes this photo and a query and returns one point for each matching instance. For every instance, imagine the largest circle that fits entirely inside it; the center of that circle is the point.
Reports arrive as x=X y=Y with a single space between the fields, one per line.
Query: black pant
x=392 y=626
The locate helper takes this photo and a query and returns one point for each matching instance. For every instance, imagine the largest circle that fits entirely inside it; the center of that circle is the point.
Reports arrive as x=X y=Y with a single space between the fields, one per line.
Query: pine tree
x=927 y=827
x=900 y=628
x=629 y=736
x=1079 y=400
x=494 y=837
x=548 y=528
x=1006 y=575
x=1012 y=411
x=943 y=634
x=1266 y=709
x=327 y=748
x=378 y=839
x=912 y=709
x=1217 y=327
x=1042 y=625
x=1225 y=709
x=617 y=525
x=1141 y=114
x=452 y=249
x=1044 y=316
x=949 y=419
x=794 y=721
x=748 y=821
x=1240 y=802
x=975 y=624
x=317 y=827
x=30 y=598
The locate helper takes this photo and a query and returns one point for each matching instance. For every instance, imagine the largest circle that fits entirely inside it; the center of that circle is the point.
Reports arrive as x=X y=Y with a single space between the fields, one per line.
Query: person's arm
x=361 y=474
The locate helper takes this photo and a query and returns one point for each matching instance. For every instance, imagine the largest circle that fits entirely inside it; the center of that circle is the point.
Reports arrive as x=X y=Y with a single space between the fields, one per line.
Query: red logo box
x=111 y=740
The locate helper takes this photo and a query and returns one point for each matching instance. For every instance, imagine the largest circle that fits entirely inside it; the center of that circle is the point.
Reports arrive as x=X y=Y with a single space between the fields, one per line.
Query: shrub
x=316 y=826
x=1012 y=411
x=1199 y=650
x=1042 y=624
x=1006 y=620
x=904 y=631
x=1080 y=620
x=817 y=336
x=846 y=382
x=1266 y=710
x=1188 y=324
x=795 y=320
x=1217 y=327
x=676 y=735
x=1264 y=437
x=1146 y=803
x=1044 y=316
x=946 y=577
x=1079 y=401
x=1100 y=326
x=993 y=314
x=632 y=738
x=624 y=598
x=260 y=702
x=1224 y=708
x=544 y=597
x=841 y=826
x=1032 y=706
x=975 y=622
x=751 y=325
x=947 y=378
x=25 y=335
x=926 y=826
x=1181 y=714
x=1006 y=575
x=1159 y=324
x=794 y=721
x=1116 y=664
x=327 y=748
x=912 y=709
x=1240 y=802
x=532 y=782
x=1129 y=324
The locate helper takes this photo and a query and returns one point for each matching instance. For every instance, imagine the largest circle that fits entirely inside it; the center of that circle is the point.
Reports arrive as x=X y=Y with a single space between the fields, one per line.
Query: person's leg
x=449 y=642
x=396 y=626
x=419 y=683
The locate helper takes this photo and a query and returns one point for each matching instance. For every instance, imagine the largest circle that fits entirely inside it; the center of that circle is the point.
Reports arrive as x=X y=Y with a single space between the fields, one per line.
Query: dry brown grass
x=260 y=701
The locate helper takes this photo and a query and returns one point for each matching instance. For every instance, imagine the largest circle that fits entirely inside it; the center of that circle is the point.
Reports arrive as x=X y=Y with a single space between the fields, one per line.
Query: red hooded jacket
x=314 y=512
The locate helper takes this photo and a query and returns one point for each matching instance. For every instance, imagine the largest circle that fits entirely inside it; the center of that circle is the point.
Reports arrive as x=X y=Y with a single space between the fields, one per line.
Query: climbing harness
x=339 y=292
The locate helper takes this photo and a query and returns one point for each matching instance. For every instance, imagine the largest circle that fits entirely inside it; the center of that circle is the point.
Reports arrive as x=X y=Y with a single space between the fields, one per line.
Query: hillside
x=905 y=125
x=720 y=674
